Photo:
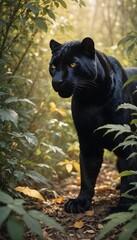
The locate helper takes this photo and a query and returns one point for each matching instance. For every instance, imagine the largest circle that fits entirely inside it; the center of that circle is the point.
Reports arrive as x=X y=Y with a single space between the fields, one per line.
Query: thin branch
x=11 y=19
x=21 y=59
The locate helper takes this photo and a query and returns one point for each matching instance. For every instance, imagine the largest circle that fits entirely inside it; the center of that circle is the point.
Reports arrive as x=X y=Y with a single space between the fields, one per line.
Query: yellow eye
x=73 y=65
x=53 y=66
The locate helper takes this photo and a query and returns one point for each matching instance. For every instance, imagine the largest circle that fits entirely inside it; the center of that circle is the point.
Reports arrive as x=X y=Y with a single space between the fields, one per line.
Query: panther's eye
x=53 y=66
x=73 y=65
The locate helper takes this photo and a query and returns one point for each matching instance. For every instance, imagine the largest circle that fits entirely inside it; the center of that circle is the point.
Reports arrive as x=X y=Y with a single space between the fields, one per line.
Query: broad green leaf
x=56 y=4
x=4 y=213
x=82 y=3
x=32 y=224
x=15 y=229
x=46 y=219
x=131 y=79
x=16 y=99
x=114 y=220
x=33 y=8
x=16 y=134
x=18 y=201
x=17 y=208
x=62 y=3
x=11 y=100
x=5 y=198
x=50 y=13
x=40 y=22
x=19 y=175
x=37 y=177
x=31 y=138
x=128 y=230
x=9 y=115
x=53 y=148
x=127 y=173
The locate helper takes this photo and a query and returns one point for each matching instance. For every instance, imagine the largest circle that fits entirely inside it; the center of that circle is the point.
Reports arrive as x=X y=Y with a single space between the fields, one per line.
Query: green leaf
x=27 y=101
x=50 y=13
x=15 y=229
x=5 y=198
x=53 y=148
x=17 y=208
x=18 y=201
x=41 y=23
x=56 y=4
x=45 y=219
x=33 y=8
x=4 y=213
x=31 y=138
x=131 y=79
x=9 y=115
x=126 y=39
x=125 y=144
x=62 y=3
x=127 y=106
x=128 y=230
x=11 y=100
x=32 y=224
x=130 y=49
x=133 y=207
x=134 y=121
x=131 y=137
x=114 y=220
x=127 y=173
x=114 y=128
x=82 y=3
x=132 y=155
x=16 y=99
x=37 y=177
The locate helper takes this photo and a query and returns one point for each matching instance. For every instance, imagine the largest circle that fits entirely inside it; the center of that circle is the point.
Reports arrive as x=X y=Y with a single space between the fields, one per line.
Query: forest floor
x=84 y=226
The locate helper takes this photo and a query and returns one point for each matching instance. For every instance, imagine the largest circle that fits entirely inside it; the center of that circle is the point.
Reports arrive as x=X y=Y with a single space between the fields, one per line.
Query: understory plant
x=24 y=106
x=14 y=218
x=129 y=219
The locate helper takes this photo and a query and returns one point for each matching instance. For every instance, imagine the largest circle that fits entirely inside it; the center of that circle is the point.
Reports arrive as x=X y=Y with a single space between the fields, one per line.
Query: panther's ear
x=54 y=44
x=88 y=45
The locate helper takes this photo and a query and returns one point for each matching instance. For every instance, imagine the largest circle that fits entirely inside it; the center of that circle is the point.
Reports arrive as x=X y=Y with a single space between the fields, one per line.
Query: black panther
x=94 y=80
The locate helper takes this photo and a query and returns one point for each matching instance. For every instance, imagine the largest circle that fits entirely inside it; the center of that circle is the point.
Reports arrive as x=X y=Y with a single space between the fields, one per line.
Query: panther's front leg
x=90 y=163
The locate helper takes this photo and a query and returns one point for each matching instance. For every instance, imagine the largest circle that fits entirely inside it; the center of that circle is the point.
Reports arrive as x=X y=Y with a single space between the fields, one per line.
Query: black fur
x=95 y=82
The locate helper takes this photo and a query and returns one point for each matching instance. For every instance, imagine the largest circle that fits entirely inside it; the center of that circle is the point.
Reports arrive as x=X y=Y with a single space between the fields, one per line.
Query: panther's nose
x=56 y=83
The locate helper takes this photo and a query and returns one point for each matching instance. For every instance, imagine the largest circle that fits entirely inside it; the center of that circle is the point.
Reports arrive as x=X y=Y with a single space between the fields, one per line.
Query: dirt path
x=84 y=226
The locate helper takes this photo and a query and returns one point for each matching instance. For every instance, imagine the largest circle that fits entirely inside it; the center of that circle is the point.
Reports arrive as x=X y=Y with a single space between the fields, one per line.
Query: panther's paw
x=77 y=205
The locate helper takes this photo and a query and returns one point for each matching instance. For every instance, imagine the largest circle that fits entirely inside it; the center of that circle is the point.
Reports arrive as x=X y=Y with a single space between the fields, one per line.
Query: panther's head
x=72 y=66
